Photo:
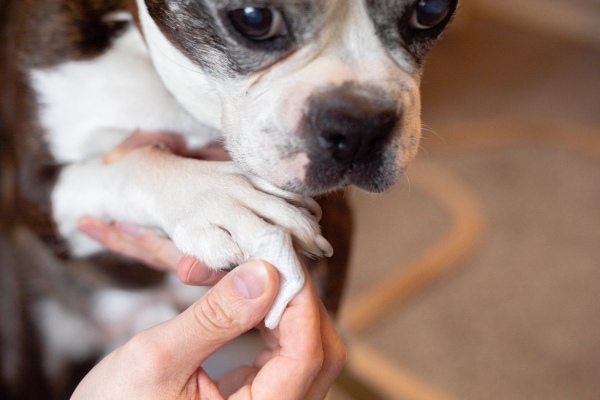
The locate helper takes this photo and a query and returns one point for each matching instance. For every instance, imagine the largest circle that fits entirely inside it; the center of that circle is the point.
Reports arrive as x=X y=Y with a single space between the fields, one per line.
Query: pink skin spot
x=294 y=168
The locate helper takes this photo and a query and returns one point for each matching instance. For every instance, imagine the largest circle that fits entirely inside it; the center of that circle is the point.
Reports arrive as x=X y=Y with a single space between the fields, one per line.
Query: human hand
x=304 y=354
x=143 y=244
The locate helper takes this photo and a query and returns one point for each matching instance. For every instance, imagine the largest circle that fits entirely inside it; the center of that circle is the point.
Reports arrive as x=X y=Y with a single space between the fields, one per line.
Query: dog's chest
x=88 y=107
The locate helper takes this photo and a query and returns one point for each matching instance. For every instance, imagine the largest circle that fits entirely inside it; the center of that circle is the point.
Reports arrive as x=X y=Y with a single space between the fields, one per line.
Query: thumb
x=233 y=306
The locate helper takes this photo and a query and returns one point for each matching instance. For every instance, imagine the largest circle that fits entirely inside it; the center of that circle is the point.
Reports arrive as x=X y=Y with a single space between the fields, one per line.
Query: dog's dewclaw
x=274 y=245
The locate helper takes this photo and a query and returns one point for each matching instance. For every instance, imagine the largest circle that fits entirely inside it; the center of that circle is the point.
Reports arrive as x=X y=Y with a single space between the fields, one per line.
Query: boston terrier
x=306 y=96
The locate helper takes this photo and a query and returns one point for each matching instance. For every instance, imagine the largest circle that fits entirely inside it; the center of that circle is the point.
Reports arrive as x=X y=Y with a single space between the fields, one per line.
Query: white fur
x=89 y=107
x=261 y=113
x=185 y=79
x=214 y=211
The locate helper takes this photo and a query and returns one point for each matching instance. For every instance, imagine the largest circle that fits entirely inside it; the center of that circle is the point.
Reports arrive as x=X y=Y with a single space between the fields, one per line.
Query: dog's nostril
x=354 y=131
x=336 y=141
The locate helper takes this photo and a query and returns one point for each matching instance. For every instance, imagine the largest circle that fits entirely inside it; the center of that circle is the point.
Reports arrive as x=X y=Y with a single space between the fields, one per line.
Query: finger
x=334 y=352
x=193 y=272
x=138 y=139
x=334 y=356
x=269 y=336
x=131 y=241
x=233 y=306
x=289 y=374
x=232 y=381
x=212 y=152
x=174 y=143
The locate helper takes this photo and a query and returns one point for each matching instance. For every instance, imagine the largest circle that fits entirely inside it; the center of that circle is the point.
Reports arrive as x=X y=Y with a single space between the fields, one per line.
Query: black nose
x=351 y=127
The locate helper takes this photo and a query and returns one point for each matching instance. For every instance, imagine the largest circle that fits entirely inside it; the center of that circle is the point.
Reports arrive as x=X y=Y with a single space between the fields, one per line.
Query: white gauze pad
x=274 y=245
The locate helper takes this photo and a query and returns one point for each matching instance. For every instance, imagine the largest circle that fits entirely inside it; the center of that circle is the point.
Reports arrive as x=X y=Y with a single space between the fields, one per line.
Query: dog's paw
x=218 y=213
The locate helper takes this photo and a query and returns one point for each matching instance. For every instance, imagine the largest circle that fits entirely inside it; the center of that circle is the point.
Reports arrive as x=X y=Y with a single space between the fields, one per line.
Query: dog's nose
x=352 y=128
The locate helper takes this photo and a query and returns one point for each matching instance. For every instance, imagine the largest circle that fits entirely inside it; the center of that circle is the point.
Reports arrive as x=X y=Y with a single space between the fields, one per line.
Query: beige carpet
x=478 y=276
x=514 y=218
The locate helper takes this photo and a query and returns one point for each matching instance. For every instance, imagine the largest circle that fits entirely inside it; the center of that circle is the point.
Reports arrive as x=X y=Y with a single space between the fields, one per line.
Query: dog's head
x=310 y=94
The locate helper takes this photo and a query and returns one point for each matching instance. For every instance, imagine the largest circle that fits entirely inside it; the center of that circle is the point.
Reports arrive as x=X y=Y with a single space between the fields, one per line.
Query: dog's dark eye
x=429 y=13
x=257 y=23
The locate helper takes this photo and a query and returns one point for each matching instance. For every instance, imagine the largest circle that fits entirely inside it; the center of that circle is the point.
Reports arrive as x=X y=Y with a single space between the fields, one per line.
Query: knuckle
x=316 y=365
x=144 y=352
x=212 y=316
x=339 y=355
x=335 y=357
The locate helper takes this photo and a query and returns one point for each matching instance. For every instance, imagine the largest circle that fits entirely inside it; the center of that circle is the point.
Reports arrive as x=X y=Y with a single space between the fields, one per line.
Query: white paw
x=217 y=213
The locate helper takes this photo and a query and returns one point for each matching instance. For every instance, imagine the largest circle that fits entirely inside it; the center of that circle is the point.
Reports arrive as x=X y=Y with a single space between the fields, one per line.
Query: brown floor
x=516 y=117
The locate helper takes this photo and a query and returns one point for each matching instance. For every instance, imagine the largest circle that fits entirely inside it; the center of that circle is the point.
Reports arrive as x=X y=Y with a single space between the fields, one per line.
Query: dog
x=306 y=96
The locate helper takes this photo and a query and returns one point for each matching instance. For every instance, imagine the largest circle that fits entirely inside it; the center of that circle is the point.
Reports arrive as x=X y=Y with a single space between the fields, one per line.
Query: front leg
x=211 y=210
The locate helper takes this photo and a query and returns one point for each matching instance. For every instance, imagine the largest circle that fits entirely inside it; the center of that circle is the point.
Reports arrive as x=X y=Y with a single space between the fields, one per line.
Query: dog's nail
x=324 y=246
x=231 y=267
x=313 y=207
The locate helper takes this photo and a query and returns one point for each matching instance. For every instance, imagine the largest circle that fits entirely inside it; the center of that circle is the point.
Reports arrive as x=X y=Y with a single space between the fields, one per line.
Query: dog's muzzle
x=350 y=131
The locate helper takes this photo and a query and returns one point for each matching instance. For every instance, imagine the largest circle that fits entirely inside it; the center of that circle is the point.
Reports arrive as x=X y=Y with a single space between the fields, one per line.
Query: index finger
x=291 y=372
x=193 y=272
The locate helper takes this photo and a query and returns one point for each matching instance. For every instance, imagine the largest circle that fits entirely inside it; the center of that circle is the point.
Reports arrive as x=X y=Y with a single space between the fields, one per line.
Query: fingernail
x=198 y=272
x=250 y=279
x=92 y=231
x=89 y=227
x=115 y=154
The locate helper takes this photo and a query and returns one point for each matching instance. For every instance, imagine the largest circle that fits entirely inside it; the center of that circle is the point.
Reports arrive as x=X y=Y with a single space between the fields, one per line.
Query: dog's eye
x=257 y=23
x=429 y=13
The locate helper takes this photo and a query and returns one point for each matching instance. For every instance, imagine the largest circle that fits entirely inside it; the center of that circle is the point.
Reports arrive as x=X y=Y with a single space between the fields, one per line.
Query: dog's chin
x=375 y=175
x=323 y=180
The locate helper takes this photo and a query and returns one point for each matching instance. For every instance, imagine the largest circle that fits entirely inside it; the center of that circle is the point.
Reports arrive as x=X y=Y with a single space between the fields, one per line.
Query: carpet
x=478 y=275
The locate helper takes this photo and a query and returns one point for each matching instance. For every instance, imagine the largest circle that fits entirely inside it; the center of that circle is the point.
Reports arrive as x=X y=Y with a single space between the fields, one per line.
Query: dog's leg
x=211 y=210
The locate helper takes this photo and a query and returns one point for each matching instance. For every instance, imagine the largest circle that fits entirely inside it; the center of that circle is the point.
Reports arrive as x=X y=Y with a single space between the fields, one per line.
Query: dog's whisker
x=424 y=150
x=407 y=178
x=427 y=128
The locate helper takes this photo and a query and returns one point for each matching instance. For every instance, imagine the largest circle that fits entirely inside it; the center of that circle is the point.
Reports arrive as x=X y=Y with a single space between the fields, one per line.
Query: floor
x=477 y=276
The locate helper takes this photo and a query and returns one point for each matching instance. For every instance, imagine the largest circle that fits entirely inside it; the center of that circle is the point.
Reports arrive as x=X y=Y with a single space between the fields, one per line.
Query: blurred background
x=478 y=275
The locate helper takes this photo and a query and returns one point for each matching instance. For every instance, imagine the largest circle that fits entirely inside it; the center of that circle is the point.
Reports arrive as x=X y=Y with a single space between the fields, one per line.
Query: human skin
x=303 y=355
